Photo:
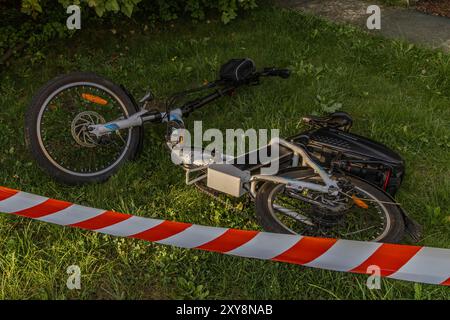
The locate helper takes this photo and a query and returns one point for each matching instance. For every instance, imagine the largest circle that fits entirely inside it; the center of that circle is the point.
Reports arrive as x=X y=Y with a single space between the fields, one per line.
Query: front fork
x=135 y=120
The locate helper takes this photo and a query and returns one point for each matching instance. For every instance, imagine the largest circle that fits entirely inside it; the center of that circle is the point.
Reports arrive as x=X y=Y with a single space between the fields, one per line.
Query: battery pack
x=227 y=178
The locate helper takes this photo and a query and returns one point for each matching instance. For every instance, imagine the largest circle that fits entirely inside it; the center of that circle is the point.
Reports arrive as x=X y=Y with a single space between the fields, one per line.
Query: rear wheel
x=56 y=128
x=376 y=218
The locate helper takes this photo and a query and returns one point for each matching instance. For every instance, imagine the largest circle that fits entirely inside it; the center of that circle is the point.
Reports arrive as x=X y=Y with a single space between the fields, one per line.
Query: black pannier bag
x=237 y=70
x=359 y=156
x=333 y=145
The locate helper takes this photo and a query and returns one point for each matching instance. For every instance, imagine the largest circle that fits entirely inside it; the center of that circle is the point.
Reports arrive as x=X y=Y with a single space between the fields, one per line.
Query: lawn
x=397 y=93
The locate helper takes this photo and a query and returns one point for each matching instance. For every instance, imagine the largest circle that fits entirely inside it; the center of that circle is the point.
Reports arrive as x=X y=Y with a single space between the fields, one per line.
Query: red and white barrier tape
x=404 y=262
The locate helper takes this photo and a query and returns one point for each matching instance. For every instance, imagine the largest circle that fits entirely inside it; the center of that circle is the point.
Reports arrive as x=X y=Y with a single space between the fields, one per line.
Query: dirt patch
x=434 y=7
x=353 y=11
x=397 y=22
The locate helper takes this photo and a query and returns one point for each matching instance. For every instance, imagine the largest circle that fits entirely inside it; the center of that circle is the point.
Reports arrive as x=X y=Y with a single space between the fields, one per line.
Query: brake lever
x=148 y=97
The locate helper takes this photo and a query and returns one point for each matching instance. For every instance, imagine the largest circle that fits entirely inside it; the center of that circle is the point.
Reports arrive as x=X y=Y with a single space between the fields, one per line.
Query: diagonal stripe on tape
x=6 y=193
x=265 y=245
x=411 y=263
x=21 y=202
x=194 y=236
x=389 y=258
x=162 y=231
x=306 y=250
x=71 y=215
x=43 y=209
x=103 y=220
x=131 y=226
x=446 y=283
x=345 y=255
x=229 y=240
x=430 y=265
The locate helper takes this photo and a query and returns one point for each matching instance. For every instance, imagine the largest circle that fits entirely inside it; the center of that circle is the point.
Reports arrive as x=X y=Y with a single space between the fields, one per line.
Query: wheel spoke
x=313 y=218
x=297 y=216
x=64 y=130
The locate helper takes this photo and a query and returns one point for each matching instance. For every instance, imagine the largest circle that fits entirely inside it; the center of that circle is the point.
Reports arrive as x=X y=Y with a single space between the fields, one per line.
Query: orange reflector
x=94 y=99
x=359 y=202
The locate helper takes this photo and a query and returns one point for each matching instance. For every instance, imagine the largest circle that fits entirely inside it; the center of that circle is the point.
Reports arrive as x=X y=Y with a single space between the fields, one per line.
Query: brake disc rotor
x=80 y=125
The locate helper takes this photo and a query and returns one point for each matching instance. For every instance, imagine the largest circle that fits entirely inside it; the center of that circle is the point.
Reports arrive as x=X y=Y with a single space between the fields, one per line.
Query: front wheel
x=57 y=128
x=366 y=213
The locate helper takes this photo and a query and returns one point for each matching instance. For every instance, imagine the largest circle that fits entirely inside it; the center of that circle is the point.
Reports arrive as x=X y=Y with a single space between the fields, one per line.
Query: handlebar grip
x=282 y=73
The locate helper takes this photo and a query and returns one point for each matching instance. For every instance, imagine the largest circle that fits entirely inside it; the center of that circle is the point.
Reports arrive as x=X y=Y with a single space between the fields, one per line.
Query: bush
x=31 y=23
x=166 y=9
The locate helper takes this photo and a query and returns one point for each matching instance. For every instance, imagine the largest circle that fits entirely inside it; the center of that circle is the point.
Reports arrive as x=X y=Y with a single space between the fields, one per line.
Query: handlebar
x=273 y=72
x=228 y=88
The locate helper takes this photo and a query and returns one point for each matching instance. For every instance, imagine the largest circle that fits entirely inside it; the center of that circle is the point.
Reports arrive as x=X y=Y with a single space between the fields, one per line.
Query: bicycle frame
x=144 y=116
x=329 y=185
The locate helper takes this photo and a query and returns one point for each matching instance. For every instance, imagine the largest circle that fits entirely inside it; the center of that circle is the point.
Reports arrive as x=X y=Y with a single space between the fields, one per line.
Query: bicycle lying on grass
x=81 y=128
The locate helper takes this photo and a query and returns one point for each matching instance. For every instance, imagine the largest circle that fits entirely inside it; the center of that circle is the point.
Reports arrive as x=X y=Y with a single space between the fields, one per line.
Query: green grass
x=398 y=94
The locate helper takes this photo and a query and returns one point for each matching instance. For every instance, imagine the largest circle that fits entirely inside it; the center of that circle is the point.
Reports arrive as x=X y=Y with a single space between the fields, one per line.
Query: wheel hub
x=80 y=131
x=326 y=218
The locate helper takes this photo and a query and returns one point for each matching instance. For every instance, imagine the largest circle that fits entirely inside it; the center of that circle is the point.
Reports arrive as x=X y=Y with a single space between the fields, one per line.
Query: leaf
x=100 y=10
x=127 y=9
x=112 y=5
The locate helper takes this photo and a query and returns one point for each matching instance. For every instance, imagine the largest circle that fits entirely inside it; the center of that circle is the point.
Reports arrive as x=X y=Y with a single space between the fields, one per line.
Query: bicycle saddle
x=337 y=120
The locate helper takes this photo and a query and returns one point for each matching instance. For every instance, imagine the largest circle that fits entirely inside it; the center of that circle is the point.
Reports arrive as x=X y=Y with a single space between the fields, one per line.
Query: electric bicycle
x=81 y=128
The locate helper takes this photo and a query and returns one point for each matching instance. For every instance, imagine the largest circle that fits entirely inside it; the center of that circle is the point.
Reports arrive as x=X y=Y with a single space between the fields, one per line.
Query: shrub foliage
x=164 y=9
x=31 y=23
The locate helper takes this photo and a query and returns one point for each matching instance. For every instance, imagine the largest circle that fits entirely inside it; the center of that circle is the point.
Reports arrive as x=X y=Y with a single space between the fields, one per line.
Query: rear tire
x=34 y=116
x=270 y=223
